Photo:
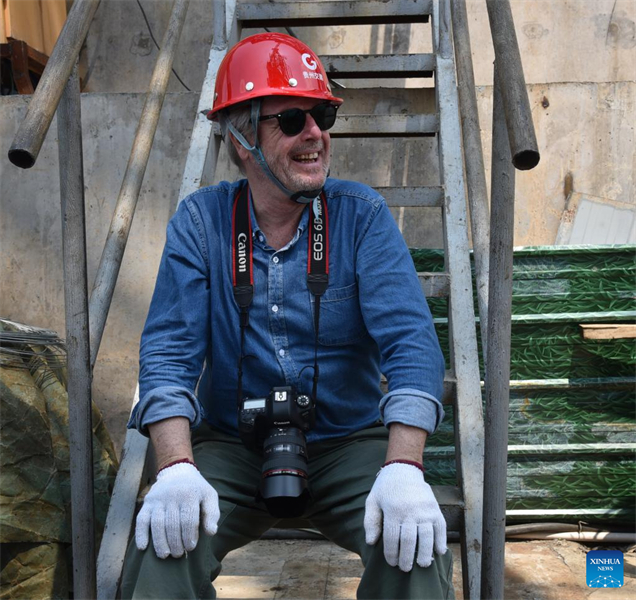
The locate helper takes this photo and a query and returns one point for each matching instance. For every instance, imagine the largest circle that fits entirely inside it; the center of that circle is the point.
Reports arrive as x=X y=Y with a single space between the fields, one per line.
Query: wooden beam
x=608 y=331
x=37 y=60
x=20 y=67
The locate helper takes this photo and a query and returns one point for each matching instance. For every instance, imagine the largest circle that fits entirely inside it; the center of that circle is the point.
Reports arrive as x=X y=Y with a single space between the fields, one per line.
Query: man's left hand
x=401 y=505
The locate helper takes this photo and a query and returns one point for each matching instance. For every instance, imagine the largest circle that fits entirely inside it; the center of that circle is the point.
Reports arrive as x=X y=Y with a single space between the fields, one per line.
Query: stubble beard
x=297 y=182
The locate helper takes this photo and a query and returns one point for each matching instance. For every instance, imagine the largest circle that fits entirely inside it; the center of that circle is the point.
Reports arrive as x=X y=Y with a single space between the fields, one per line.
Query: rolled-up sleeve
x=397 y=316
x=177 y=331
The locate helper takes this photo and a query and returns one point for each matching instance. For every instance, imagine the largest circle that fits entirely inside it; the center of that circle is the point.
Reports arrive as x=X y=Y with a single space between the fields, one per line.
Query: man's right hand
x=172 y=509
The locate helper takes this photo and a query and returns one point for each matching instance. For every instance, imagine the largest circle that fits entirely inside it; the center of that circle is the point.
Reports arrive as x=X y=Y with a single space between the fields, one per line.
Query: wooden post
x=77 y=338
x=30 y=136
x=498 y=374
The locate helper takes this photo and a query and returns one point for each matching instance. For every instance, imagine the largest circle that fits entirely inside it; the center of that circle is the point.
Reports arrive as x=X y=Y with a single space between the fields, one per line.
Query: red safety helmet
x=269 y=64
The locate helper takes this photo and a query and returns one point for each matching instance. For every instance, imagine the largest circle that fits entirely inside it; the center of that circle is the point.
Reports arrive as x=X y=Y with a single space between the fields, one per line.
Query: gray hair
x=240 y=117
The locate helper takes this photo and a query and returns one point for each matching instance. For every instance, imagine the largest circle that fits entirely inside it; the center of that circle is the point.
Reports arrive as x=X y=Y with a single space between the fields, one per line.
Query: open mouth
x=306 y=159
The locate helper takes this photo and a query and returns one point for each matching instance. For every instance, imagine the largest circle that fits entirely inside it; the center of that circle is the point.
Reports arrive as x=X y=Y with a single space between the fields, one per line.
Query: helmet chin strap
x=302 y=197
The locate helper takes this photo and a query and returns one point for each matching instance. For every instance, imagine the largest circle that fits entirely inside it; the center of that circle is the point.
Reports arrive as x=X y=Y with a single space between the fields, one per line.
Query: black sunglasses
x=292 y=121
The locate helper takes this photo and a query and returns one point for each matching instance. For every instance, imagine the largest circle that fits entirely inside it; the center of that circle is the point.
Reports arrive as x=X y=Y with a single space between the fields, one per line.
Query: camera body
x=275 y=426
x=282 y=408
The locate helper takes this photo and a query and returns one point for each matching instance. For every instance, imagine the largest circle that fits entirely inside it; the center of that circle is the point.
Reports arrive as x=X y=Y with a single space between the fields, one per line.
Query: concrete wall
x=578 y=59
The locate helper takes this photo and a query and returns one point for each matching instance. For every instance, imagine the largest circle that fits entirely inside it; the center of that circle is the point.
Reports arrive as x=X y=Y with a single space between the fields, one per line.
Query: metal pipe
x=544 y=528
x=28 y=140
x=498 y=375
x=606 y=537
x=474 y=162
x=121 y=222
x=523 y=141
x=69 y=128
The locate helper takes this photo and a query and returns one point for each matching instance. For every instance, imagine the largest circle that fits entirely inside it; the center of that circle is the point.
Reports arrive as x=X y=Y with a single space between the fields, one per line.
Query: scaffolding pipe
x=28 y=140
x=474 y=161
x=69 y=128
x=606 y=537
x=121 y=222
x=516 y=106
x=498 y=375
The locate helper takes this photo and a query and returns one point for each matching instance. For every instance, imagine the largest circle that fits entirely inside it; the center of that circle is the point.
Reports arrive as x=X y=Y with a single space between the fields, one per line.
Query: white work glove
x=172 y=508
x=411 y=517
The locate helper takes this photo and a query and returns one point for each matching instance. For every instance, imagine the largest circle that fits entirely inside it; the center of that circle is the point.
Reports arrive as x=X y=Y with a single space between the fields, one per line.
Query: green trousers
x=342 y=472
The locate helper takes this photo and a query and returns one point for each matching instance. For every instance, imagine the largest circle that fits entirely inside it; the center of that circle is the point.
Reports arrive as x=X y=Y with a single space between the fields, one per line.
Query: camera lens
x=284 y=486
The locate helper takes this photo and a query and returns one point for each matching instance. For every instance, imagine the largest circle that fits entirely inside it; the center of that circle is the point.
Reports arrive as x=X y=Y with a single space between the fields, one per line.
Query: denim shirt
x=373 y=319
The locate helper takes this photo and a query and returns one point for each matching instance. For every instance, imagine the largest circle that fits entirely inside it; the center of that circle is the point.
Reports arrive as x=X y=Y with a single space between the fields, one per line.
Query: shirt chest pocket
x=341 y=319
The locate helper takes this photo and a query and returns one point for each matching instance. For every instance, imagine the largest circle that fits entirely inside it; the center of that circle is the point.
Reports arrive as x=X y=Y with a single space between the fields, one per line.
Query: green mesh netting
x=571 y=443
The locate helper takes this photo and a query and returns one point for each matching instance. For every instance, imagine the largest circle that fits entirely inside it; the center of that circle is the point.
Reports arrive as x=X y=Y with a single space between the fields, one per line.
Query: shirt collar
x=302 y=224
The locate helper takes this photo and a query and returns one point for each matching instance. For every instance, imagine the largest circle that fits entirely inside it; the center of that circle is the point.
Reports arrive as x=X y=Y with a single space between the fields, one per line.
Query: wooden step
x=307 y=14
x=358 y=66
x=451 y=502
x=449 y=498
x=435 y=285
x=368 y=126
x=424 y=196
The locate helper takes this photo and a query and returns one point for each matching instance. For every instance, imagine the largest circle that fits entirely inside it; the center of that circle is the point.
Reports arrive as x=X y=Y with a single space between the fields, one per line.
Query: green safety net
x=572 y=424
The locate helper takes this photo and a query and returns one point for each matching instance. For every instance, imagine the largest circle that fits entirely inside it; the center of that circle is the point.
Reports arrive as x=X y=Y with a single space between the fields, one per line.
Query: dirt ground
x=303 y=569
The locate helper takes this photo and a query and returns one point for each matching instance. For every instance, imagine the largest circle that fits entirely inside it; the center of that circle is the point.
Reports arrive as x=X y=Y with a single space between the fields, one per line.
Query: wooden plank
x=448 y=497
x=37 y=60
x=609 y=331
x=425 y=196
x=451 y=504
x=434 y=285
x=369 y=126
x=307 y=14
x=356 y=66
x=20 y=67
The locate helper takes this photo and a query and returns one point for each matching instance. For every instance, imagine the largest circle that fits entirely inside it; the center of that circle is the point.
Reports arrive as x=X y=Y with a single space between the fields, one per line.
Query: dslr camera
x=275 y=426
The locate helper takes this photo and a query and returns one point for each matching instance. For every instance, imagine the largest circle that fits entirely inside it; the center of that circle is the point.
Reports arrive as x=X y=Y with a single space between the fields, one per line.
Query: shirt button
x=281 y=352
x=261 y=238
x=275 y=308
x=275 y=259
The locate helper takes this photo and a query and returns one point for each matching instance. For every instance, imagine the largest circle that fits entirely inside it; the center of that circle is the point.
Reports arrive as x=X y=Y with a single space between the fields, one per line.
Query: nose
x=311 y=130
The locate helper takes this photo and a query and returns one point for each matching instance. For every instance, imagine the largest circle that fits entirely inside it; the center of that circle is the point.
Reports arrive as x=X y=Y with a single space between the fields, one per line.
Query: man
x=265 y=235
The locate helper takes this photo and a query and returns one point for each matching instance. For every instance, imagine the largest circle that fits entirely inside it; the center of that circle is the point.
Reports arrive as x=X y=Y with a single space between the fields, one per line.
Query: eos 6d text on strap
x=318 y=266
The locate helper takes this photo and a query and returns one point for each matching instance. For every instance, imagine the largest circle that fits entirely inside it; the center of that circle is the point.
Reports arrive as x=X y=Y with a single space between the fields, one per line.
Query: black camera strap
x=243 y=267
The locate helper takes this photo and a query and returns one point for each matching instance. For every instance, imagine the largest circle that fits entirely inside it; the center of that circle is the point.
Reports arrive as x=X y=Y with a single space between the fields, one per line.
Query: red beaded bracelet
x=177 y=462
x=405 y=462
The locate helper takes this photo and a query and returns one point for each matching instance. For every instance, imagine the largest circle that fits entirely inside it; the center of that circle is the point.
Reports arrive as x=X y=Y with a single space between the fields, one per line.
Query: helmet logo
x=310 y=64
